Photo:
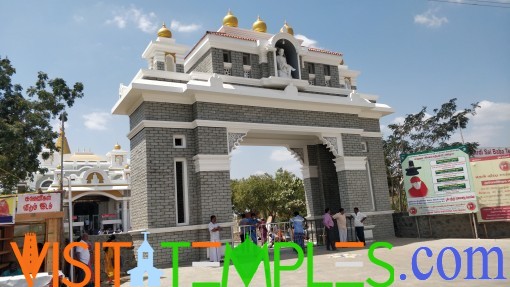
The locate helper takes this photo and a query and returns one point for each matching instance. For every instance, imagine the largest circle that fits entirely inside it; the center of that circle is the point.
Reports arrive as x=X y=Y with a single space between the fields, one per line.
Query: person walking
x=83 y=255
x=327 y=220
x=298 y=223
x=108 y=260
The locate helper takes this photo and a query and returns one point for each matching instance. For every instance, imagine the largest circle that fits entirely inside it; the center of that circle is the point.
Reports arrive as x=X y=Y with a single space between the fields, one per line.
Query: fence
x=283 y=232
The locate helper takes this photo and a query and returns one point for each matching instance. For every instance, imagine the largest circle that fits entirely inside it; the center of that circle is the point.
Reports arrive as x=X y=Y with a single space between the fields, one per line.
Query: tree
x=25 y=122
x=421 y=132
x=277 y=196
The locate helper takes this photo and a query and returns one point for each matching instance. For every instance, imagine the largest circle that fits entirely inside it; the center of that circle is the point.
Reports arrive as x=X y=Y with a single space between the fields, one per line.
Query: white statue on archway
x=284 y=69
x=95 y=179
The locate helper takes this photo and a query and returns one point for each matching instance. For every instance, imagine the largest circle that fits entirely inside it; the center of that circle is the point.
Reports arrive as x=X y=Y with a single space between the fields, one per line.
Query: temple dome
x=287 y=29
x=164 y=32
x=230 y=20
x=259 y=25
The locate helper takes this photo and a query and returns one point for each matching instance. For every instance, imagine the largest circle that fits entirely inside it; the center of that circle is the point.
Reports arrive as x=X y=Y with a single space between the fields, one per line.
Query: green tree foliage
x=25 y=126
x=420 y=132
x=277 y=196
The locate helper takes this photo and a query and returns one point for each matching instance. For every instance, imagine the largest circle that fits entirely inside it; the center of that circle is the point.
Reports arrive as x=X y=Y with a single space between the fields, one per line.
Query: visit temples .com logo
x=245 y=258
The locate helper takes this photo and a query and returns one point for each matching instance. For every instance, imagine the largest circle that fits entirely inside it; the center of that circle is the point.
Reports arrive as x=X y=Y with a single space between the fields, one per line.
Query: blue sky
x=410 y=53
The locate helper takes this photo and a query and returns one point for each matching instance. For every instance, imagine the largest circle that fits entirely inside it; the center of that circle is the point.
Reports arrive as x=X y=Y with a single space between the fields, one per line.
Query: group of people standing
x=341 y=219
x=84 y=255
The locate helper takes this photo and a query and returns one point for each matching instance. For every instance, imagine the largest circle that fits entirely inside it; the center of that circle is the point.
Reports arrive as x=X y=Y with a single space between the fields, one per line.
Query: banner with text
x=491 y=179
x=7 y=209
x=438 y=182
x=37 y=203
x=491 y=151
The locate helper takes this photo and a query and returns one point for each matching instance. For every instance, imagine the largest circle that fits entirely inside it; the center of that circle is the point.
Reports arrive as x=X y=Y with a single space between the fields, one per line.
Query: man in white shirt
x=214 y=231
x=82 y=254
x=358 y=224
x=341 y=221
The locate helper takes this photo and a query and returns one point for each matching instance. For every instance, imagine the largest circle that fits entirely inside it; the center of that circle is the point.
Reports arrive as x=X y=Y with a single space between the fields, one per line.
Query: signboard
x=109 y=215
x=7 y=210
x=491 y=179
x=491 y=151
x=37 y=203
x=438 y=182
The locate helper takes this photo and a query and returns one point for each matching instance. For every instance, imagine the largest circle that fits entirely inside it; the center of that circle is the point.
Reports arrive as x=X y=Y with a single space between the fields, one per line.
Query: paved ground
x=400 y=257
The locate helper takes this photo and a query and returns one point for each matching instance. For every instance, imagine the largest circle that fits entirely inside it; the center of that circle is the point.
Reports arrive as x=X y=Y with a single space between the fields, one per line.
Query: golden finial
x=259 y=25
x=230 y=20
x=164 y=32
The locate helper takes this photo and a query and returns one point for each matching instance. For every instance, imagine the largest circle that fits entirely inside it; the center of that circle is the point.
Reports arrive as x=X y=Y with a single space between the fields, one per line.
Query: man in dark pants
x=358 y=224
x=327 y=220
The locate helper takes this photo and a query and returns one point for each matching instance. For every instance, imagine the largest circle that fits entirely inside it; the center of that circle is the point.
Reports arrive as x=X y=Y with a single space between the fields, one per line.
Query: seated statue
x=284 y=69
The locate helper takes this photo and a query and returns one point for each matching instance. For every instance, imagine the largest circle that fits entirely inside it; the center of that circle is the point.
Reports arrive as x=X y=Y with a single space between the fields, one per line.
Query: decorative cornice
x=211 y=162
x=332 y=144
x=234 y=140
x=350 y=163
x=298 y=153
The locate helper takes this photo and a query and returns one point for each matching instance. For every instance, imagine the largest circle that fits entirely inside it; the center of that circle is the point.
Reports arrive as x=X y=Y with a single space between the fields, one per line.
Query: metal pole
x=474 y=224
x=485 y=228
x=70 y=200
x=417 y=226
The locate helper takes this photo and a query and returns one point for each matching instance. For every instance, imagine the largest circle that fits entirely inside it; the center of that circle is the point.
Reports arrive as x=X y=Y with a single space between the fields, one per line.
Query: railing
x=283 y=232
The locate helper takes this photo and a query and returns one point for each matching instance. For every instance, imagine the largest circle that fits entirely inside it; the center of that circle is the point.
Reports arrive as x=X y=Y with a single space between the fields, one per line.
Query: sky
x=410 y=53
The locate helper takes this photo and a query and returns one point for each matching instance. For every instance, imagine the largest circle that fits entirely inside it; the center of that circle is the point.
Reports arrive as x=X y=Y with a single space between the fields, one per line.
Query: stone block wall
x=256 y=71
x=354 y=192
x=217 y=61
x=210 y=140
x=270 y=64
x=320 y=80
x=335 y=79
x=138 y=202
x=375 y=157
x=160 y=175
x=447 y=226
x=351 y=144
x=237 y=63
x=204 y=64
x=314 y=199
x=328 y=178
x=179 y=68
x=215 y=196
x=370 y=125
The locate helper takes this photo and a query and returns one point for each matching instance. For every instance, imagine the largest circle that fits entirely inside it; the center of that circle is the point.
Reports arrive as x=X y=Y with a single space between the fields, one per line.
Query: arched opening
x=290 y=55
x=170 y=63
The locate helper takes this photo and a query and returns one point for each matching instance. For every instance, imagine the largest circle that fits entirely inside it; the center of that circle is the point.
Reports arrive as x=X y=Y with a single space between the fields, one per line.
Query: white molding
x=211 y=162
x=372 y=134
x=350 y=163
x=159 y=124
x=179 y=228
x=310 y=171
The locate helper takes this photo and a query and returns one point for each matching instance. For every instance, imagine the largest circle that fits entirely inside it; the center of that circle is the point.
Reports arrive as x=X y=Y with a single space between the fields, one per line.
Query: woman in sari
x=108 y=260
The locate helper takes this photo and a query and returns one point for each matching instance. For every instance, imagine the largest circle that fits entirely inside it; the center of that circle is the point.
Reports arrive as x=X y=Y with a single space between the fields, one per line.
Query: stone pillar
x=313 y=193
x=353 y=183
x=328 y=178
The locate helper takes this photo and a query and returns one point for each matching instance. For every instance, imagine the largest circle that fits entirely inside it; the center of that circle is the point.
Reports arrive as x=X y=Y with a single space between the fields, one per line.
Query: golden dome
x=164 y=32
x=58 y=144
x=230 y=20
x=259 y=25
x=116 y=147
x=287 y=29
x=126 y=166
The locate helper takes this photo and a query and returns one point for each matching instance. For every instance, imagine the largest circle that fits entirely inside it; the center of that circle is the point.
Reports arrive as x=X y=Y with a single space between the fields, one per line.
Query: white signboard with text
x=37 y=203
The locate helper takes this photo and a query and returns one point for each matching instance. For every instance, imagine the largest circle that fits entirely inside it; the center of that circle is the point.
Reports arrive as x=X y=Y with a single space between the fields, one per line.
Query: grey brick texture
x=138 y=202
x=370 y=125
x=179 y=68
x=264 y=69
x=217 y=61
x=352 y=144
x=211 y=140
x=256 y=71
x=328 y=178
x=161 y=112
x=215 y=195
x=204 y=64
x=335 y=80
x=383 y=225
x=375 y=157
x=320 y=80
x=312 y=155
x=354 y=192
x=314 y=198
x=237 y=63
x=270 y=63
x=234 y=113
